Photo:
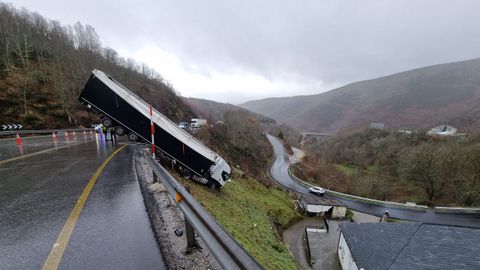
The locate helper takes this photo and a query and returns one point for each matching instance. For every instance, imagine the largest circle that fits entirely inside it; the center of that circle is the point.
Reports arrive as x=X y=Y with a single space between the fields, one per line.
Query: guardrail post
x=190 y=232
x=155 y=177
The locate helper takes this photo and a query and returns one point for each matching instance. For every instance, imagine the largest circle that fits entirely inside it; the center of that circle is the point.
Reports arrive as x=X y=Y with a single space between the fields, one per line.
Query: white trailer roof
x=161 y=120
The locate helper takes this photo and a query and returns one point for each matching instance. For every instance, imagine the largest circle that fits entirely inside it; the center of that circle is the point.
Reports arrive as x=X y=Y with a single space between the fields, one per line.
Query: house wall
x=345 y=256
x=339 y=212
x=313 y=208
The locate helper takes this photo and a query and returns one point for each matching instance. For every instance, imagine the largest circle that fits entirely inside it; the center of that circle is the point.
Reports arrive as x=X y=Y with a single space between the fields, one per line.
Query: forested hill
x=419 y=98
x=44 y=65
x=216 y=111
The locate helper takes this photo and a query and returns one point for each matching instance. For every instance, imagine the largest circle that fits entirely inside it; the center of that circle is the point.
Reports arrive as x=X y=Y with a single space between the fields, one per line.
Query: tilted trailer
x=130 y=115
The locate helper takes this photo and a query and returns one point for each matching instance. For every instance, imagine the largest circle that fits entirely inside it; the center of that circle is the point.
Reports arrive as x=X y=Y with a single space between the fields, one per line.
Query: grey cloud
x=333 y=42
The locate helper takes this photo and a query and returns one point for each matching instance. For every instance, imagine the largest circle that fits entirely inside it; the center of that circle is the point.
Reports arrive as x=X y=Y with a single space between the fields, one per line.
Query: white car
x=317 y=190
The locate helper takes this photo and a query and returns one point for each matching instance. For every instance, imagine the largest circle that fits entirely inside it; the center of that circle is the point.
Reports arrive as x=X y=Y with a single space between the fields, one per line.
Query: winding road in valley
x=279 y=173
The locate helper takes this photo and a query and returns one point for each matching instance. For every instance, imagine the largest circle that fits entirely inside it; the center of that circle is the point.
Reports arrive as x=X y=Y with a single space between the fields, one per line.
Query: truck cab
x=196 y=123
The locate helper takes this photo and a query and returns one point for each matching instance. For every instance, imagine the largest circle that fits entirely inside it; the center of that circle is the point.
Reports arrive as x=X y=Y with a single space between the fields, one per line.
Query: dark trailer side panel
x=99 y=95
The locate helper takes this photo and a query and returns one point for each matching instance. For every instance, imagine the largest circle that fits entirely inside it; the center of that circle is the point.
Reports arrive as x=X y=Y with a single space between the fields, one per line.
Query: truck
x=196 y=123
x=130 y=115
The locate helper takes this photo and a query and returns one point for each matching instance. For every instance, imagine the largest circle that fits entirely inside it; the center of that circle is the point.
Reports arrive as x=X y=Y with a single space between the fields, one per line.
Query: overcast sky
x=234 y=51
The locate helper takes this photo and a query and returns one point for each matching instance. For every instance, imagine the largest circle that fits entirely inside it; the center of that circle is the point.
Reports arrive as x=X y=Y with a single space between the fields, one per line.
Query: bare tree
x=424 y=167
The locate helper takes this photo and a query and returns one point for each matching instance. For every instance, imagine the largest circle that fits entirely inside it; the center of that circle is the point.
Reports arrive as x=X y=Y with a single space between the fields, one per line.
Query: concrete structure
x=307 y=136
x=408 y=246
x=314 y=205
x=312 y=237
x=345 y=256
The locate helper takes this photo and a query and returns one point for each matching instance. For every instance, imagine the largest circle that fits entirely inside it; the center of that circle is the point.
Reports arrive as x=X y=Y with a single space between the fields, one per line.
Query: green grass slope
x=252 y=213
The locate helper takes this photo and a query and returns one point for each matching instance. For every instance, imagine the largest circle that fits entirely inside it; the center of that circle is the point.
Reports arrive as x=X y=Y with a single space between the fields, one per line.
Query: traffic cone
x=19 y=140
x=54 y=136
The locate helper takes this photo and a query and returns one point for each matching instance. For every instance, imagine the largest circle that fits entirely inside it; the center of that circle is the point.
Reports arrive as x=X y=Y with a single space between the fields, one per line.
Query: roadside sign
x=11 y=127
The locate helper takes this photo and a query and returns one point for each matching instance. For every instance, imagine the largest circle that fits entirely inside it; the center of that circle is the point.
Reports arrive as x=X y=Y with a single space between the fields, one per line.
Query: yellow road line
x=39 y=152
x=55 y=256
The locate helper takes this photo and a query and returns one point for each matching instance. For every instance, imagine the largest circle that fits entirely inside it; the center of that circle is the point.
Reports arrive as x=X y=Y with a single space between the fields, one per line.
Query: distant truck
x=196 y=123
x=130 y=115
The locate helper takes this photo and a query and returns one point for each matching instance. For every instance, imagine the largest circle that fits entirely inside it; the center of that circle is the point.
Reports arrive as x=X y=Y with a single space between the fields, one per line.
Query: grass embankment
x=347 y=170
x=251 y=212
x=350 y=170
x=395 y=189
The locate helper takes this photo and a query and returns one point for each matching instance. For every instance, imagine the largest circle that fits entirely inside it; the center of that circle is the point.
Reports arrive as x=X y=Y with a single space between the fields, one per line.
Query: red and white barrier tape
x=152 y=130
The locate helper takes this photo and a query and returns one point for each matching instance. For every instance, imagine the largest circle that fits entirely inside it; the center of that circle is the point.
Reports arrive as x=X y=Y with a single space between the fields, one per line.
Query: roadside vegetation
x=388 y=165
x=44 y=66
x=254 y=214
x=250 y=207
x=241 y=141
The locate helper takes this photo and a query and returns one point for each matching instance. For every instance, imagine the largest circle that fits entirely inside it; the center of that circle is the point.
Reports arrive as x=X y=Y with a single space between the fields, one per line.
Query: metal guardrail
x=42 y=131
x=229 y=254
x=437 y=209
x=358 y=198
x=456 y=210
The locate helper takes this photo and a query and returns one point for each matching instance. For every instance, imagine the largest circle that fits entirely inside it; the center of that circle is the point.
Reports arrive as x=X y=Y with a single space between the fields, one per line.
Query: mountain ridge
x=419 y=98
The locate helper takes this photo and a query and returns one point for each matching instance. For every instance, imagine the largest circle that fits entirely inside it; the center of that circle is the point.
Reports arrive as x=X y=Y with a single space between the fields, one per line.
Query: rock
x=156 y=187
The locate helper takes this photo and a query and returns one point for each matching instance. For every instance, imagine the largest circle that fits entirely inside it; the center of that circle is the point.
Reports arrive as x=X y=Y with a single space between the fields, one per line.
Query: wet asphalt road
x=37 y=194
x=9 y=148
x=279 y=172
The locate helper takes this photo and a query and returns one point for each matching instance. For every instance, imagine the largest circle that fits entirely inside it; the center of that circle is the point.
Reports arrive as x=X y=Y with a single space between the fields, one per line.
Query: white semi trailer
x=130 y=115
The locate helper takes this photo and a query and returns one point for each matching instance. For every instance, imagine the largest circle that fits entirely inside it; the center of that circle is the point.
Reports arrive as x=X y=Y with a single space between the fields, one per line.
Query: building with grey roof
x=408 y=246
x=315 y=205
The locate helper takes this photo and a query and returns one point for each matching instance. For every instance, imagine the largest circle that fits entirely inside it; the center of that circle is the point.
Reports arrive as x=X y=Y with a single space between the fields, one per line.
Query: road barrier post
x=152 y=131
x=155 y=177
x=190 y=231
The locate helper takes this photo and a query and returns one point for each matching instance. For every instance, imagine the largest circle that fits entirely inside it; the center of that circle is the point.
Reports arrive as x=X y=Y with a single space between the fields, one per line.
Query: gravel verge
x=165 y=218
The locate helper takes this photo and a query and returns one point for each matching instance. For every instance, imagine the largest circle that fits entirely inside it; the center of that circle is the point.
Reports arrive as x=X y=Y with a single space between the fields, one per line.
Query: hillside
x=419 y=98
x=44 y=66
x=215 y=111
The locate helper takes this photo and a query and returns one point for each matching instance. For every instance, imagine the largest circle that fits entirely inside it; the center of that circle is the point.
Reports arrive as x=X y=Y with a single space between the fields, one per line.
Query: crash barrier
x=358 y=198
x=43 y=131
x=412 y=206
x=229 y=254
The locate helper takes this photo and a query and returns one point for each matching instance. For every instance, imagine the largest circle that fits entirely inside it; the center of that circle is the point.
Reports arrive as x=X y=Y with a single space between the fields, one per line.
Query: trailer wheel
x=107 y=122
x=213 y=185
x=186 y=173
x=133 y=137
x=120 y=131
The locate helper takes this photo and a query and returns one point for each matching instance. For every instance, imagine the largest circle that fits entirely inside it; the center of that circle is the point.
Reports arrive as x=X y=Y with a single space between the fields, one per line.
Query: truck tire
x=120 y=131
x=213 y=185
x=133 y=137
x=107 y=122
x=187 y=174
